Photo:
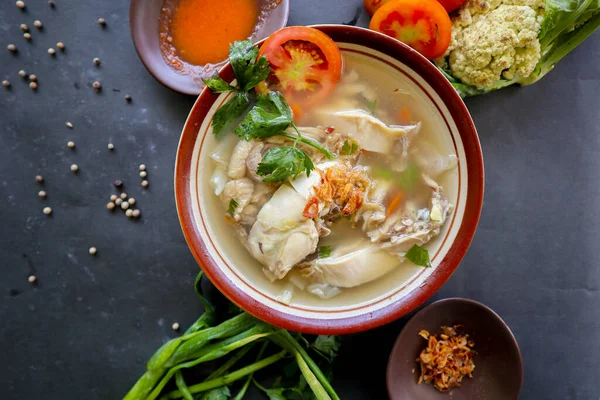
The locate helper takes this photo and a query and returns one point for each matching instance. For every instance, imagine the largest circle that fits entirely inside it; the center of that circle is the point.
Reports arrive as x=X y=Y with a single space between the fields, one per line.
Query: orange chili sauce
x=201 y=30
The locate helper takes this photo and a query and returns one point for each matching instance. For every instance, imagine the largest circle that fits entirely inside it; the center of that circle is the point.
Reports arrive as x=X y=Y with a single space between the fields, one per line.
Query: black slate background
x=88 y=326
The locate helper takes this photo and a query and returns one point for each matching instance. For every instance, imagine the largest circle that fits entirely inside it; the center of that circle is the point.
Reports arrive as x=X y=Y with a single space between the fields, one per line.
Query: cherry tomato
x=424 y=25
x=373 y=5
x=451 y=5
x=305 y=65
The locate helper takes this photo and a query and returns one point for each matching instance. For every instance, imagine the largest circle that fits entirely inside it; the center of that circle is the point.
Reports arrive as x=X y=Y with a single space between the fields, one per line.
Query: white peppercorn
x=144 y=183
x=22 y=74
x=31 y=279
x=47 y=210
x=51 y=51
x=71 y=144
x=32 y=78
x=37 y=23
x=175 y=326
x=12 y=48
x=143 y=174
x=39 y=178
x=5 y=83
x=123 y=195
x=69 y=125
x=124 y=205
x=113 y=197
x=118 y=202
x=111 y=146
x=110 y=205
x=96 y=61
x=142 y=167
x=33 y=85
x=42 y=194
x=131 y=201
x=27 y=36
x=136 y=213
x=92 y=250
x=129 y=212
x=74 y=168
x=60 y=45
x=21 y=4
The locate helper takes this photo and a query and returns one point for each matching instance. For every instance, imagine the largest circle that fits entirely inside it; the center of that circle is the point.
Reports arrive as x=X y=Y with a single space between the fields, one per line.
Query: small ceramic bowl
x=144 y=18
x=498 y=371
x=240 y=277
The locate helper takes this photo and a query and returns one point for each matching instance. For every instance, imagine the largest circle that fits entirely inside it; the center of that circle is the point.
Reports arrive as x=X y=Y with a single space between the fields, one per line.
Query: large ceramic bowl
x=240 y=277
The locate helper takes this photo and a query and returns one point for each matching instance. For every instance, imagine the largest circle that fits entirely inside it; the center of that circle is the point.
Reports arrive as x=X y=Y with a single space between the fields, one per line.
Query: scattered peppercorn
x=136 y=213
x=113 y=197
x=96 y=85
x=175 y=326
x=93 y=250
x=5 y=83
x=102 y=21
x=118 y=183
x=11 y=48
x=33 y=85
x=51 y=4
x=123 y=196
x=22 y=73
x=129 y=212
x=142 y=167
x=74 y=168
x=71 y=144
x=37 y=23
x=131 y=201
x=96 y=61
x=21 y=4
x=51 y=51
x=128 y=98
x=124 y=205
x=60 y=45
x=110 y=205
x=69 y=125
x=31 y=279
x=111 y=146
x=39 y=178
x=32 y=78
x=118 y=202
x=27 y=36
x=42 y=194
x=24 y=27
x=144 y=183
x=143 y=174
x=47 y=210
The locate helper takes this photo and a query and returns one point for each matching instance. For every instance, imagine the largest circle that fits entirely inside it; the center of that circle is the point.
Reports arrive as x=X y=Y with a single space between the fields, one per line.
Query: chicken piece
x=237 y=163
x=259 y=197
x=350 y=266
x=372 y=134
x=241 y=191
x=281 y=237
x=254 y=158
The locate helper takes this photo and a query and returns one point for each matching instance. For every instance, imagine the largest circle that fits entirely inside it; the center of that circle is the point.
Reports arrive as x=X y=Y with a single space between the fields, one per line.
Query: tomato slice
x=424 y=25
x=305 y=65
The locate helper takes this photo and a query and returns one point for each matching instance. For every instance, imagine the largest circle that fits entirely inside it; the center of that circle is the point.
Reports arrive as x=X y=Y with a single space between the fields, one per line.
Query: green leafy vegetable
x=229 y=112
x=270 y=116
x=232 y=206
x=371 y=105
x=419 y=256
x=283 y=163
x=565 y=25
x=324 y=251
x=218 y=85
x=249 y=71
x=409 y=177
x=327 y=346
x=349 y=147
x=231 y=340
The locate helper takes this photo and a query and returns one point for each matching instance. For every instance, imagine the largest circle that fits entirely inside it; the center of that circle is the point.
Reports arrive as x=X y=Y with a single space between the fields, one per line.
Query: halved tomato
x=305 y=65
x=424 y=25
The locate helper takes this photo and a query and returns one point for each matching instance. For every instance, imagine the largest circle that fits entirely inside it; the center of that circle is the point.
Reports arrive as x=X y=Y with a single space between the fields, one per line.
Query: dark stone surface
x=85 y=330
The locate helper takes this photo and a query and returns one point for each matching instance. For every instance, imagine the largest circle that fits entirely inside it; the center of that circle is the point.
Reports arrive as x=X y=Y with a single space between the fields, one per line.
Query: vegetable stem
x=309 y=142
x=229 y=378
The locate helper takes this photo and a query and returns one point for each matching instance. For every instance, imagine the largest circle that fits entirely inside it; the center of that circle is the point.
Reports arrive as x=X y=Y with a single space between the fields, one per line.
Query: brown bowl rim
x=190 y=88
x=418 y=296
x=493 y=314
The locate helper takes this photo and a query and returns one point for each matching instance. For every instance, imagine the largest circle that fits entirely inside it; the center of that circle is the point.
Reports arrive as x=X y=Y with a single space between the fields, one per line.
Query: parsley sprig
x=270 y=116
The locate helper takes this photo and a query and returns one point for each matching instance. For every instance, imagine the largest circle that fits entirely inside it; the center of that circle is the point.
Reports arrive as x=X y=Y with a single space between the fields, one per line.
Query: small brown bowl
x=498 y=371
x=144 y=18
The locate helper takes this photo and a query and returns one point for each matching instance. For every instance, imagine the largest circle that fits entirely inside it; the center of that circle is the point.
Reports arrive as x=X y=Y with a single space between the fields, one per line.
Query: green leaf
x=273 y=393
x=371 y=105
x=232 y=206
x=419 y=256
x=349 y=147
x=218 y=85
x=220 y=393
x=327 y=345
x=324 y=251
x=270 y=116
x=247 y=69
x=284 y=163
x=229 y=112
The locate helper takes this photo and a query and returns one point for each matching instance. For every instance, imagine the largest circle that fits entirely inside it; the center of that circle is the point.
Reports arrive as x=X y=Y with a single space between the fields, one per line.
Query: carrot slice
x=394 y=204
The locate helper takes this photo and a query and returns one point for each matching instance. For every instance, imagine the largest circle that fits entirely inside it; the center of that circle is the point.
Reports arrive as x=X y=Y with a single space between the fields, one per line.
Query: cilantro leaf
x=247 y=69
x=218 y=85
x=271 y=115
x=284 y=163
x=419 y=256
x=220 y=393
x=232 y=206
x=324 y=251
x=349 y=147
x=327 y=346
x=229 y=112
